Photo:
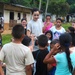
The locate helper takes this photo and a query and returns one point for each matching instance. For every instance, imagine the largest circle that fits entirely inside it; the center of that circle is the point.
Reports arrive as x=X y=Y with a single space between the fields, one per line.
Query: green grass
x=7 y=38
x=66 y=25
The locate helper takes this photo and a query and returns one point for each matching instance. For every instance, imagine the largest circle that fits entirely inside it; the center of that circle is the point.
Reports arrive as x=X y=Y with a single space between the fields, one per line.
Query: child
x=27 y=41
x=50 y=37
x=52 y=67
x=18 y=57
x=39 y=55
x=73 y=24
x=57 y=30
x=71 y=32
x=64 y=60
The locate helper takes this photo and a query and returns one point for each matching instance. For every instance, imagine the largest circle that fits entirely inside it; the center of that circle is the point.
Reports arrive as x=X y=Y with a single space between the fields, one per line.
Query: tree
x=60 y=7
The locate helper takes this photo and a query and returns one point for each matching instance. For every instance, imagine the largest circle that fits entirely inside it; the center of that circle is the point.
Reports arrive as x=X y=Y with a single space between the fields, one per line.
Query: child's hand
x=56 y=48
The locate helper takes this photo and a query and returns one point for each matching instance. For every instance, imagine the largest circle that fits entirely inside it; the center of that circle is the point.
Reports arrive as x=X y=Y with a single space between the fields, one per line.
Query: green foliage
x=58 y=7
x=6 y=38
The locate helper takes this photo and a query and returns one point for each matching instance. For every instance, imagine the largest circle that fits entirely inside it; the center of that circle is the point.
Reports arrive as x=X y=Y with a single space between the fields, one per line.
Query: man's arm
x=28 y=70
x=28 y=33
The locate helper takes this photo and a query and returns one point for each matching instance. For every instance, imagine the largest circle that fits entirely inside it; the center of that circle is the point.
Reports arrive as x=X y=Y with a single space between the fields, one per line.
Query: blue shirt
x=62 y=63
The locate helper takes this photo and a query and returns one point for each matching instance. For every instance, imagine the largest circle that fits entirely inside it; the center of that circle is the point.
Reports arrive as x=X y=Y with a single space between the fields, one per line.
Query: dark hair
x=18 y=31
x=73 y=38
x=49 y=31
x=42 y=40
x=48 y=15
x=23 y=19
x=34 y=10
x=54 y=41
x=71 y=29
x=59 y=19
x=65 y=41
x=26 y=41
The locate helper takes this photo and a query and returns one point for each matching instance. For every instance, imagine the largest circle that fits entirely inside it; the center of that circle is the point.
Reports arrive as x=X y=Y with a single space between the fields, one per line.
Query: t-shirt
x=48 y=27
x=16 y=57
x=35 y=27
x=62 y=63
x=57 y=33
x=41 y=68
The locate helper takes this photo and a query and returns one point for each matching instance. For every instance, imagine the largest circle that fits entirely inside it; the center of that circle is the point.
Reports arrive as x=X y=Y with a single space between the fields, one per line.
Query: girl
x=64 y=60
x=57 y=30
x=47 y=24
x=50 y=37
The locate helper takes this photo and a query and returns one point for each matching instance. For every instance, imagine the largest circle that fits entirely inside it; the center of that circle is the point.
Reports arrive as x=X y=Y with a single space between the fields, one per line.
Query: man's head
x=35 y=13
x=18 y=31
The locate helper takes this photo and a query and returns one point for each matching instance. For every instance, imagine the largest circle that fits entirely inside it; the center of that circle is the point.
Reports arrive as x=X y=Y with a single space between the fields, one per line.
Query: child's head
x=65 y=42
x=65 y=39
x=73 y=24
x=42 y=41
x=35 y=13
x=26 y=41
x=49 y=34
x=58 y=22
x=71 y=30
x=53 y=42
x=18 y=31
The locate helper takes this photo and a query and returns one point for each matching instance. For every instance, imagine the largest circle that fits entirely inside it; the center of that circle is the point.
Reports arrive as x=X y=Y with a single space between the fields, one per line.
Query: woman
x=47 y=24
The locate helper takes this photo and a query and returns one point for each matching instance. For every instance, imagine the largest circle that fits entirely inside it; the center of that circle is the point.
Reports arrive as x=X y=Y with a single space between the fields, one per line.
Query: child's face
x=48 y=35
x=73 y=25
x=58 y=23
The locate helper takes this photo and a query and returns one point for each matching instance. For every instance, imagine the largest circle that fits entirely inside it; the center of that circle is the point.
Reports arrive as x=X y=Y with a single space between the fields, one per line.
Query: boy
x=39 y=55
x=18 y=57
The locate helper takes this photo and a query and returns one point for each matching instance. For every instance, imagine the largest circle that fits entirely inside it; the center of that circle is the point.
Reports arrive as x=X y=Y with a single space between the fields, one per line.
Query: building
x=13 y=13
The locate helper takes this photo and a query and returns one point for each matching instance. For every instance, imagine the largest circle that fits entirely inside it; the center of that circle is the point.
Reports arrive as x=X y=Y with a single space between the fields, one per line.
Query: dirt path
x=6 y=32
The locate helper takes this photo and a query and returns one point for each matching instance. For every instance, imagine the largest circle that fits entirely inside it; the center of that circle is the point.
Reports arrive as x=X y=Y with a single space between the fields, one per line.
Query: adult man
x=35 y=25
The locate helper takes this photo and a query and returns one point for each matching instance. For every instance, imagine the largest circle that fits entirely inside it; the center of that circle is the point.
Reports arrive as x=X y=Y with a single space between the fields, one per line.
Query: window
x=19 y=16
x=11 y=15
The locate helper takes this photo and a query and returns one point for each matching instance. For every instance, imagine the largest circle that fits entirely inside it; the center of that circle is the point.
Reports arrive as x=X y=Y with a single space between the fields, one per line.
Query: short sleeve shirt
x=16 y=56
x=57 y=33
x=35 y=27
x=62 y=63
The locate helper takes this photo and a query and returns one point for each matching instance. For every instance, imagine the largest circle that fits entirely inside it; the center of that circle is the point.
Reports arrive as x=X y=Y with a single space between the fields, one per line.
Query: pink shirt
x=48 y=27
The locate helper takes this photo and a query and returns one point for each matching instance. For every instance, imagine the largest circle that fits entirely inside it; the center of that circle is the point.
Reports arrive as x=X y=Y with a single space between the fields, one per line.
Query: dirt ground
x=6 y=32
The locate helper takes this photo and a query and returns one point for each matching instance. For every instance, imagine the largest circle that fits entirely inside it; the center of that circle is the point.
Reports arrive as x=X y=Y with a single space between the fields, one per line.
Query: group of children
x=55 y=54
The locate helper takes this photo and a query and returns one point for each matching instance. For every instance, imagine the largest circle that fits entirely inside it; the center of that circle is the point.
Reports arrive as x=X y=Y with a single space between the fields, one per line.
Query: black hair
x=54 y=41
x=65 y=41
x=26 y=41
x=59 y=19
x=73 y=38
x=34 y=10
x=48 y=15
x=49 y=31
x=42 y=40
x=71 y=29
x=23 y=19
x=18 y=31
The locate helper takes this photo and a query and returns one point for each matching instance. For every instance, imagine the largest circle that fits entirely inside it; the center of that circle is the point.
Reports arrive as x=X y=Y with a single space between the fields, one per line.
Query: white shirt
x=16 y=57
x=35 y=27
x=57 y=33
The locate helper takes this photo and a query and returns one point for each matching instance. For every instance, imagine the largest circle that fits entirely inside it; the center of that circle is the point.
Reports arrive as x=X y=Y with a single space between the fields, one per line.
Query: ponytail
x=69 y=59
